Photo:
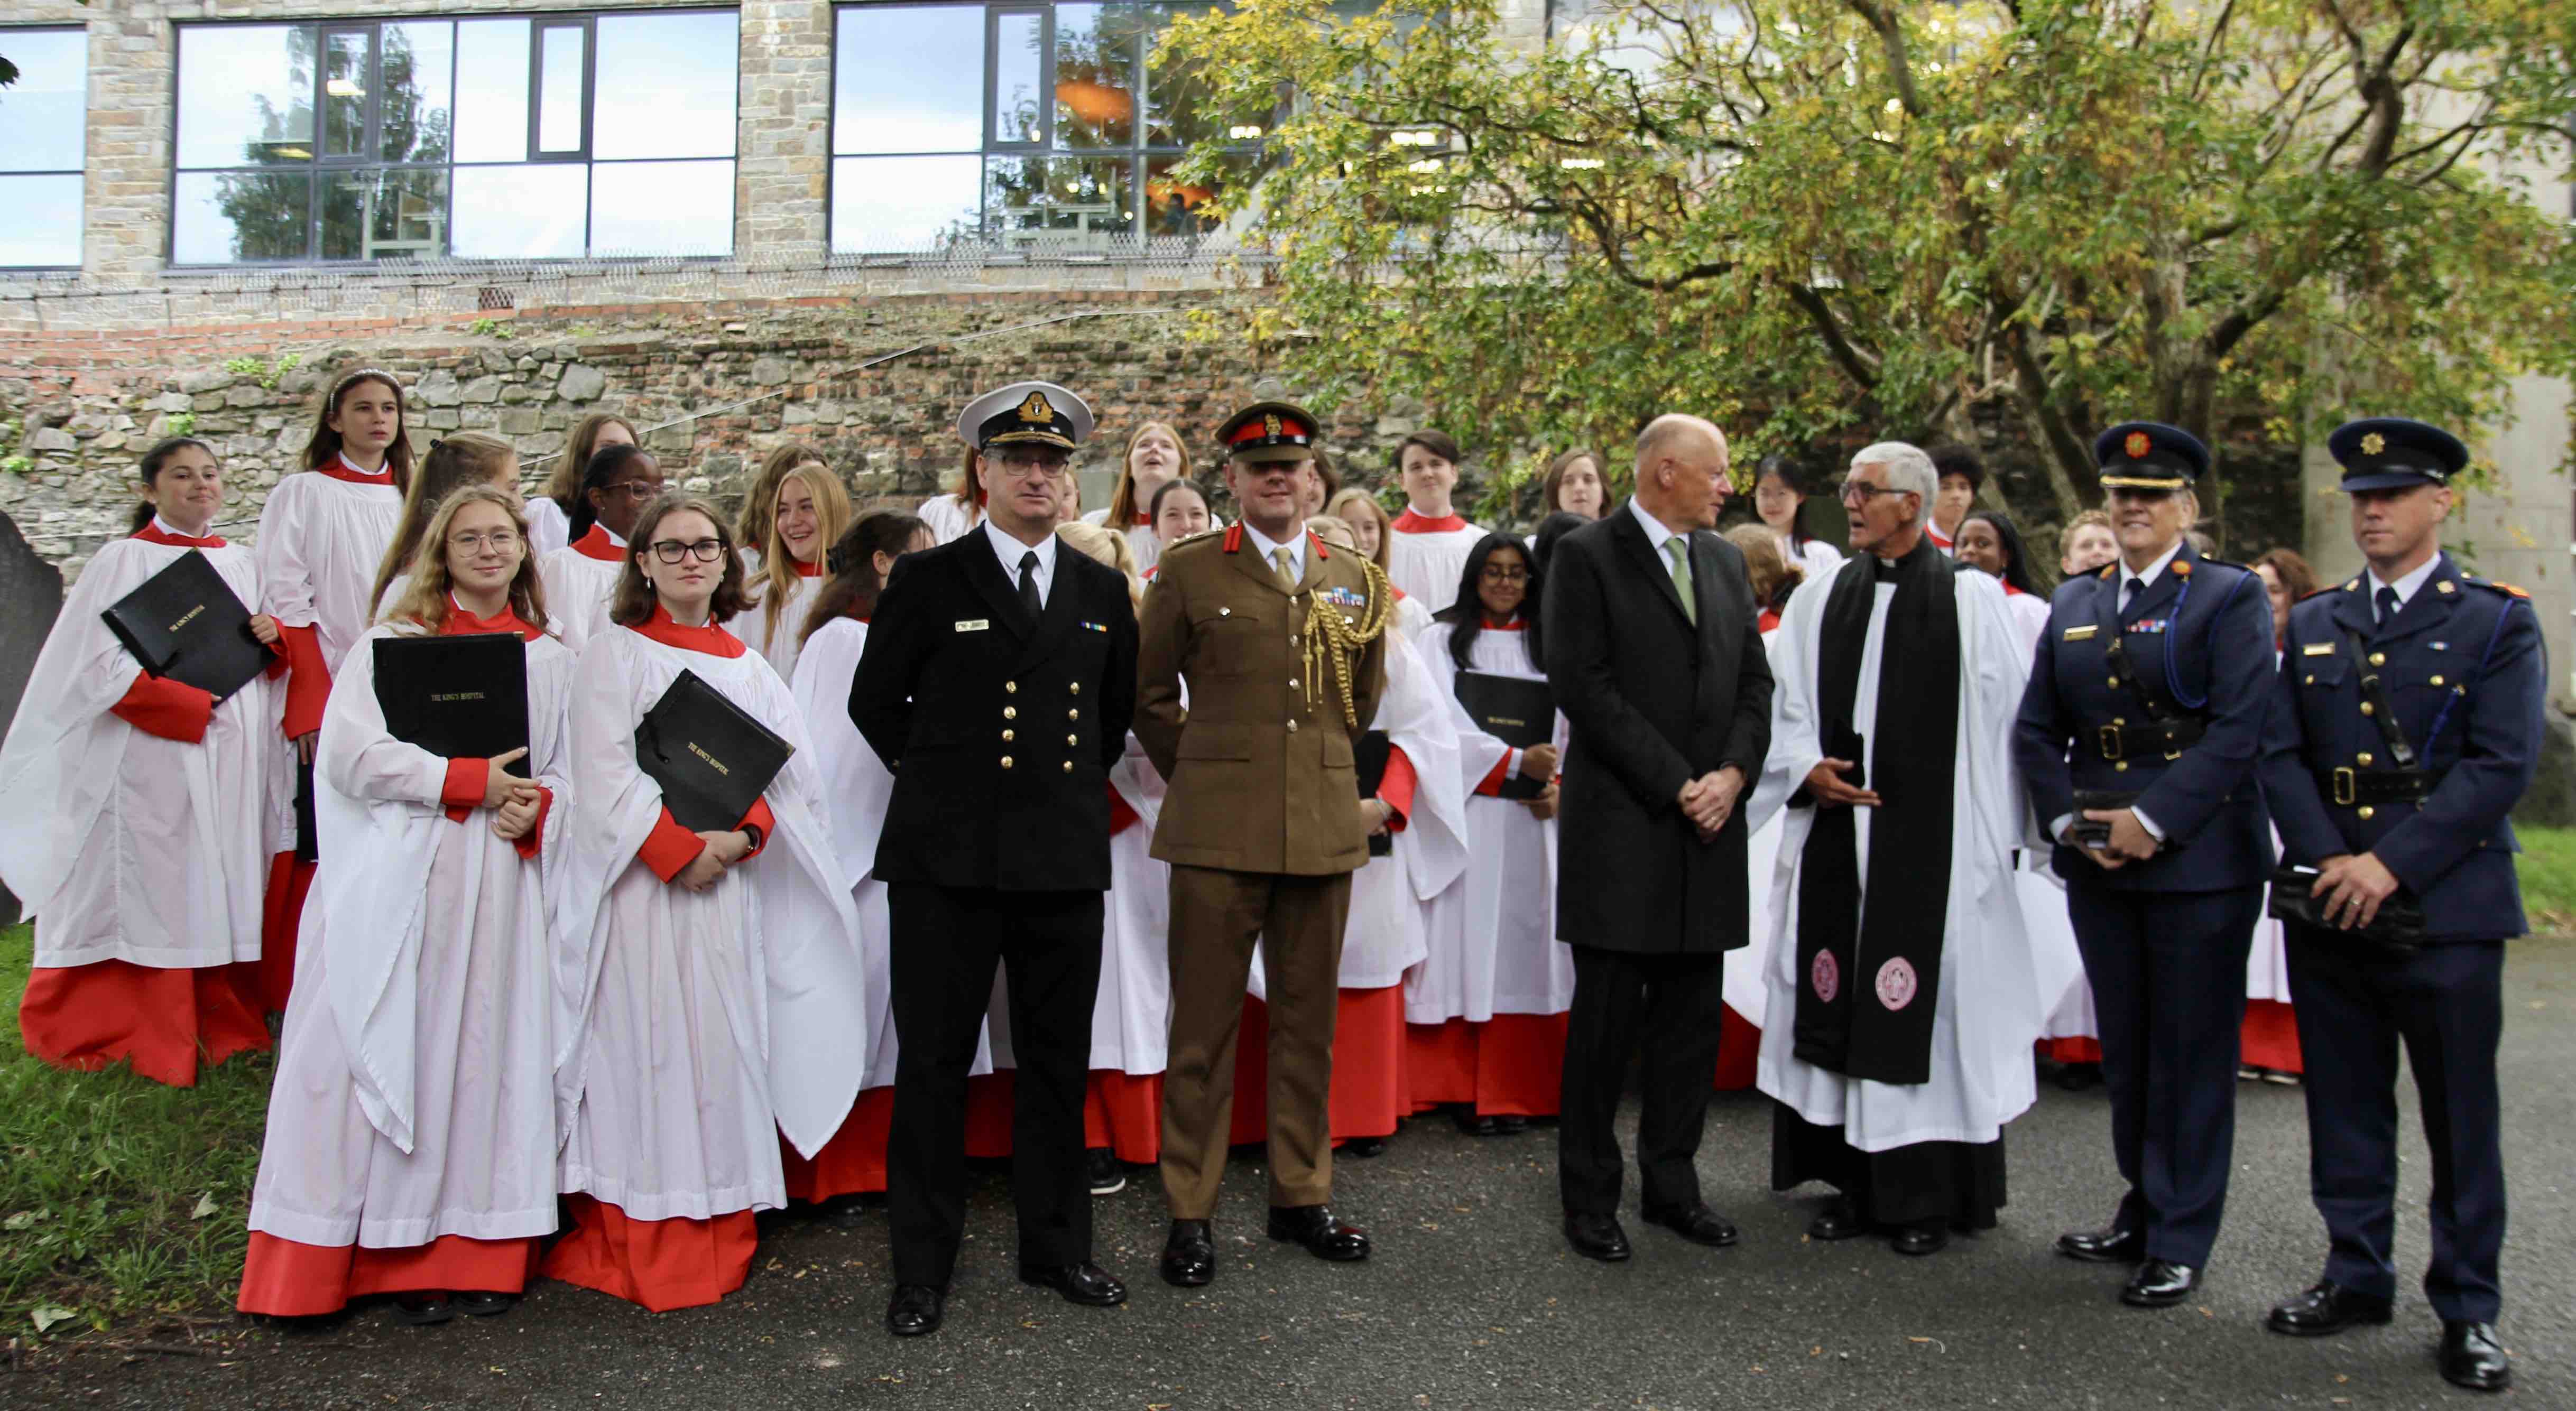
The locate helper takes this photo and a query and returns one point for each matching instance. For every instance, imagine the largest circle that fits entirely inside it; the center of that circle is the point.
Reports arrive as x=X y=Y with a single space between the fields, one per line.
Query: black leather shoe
x=845 y=1212
x=1086 y=1283
x=1597 y=1237
x=1696 y=1223
x=1323 y=1236
x=1189 y=1254
x=2107 y=1246
x=1929 y=1237
x=2160 y=1283
x=2472 y=1358
x=1475 y=1125
x=1509 y=1125
x=1837 y=1221
x=1362 y=1148
x=1101 y=1169
x=916 y=1309
x=2327 y=1307
x=422 y=1310
x=477 y=1303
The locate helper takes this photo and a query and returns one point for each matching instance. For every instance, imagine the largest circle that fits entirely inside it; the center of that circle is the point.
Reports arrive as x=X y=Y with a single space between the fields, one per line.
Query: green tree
x=1816 y=216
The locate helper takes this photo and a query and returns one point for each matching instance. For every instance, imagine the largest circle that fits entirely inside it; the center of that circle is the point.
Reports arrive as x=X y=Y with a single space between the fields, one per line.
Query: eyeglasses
x=704 y=551
x=1023 y=465
x=1496 y=573
x=1861 y=492
x=634 y=489
x=499 y=541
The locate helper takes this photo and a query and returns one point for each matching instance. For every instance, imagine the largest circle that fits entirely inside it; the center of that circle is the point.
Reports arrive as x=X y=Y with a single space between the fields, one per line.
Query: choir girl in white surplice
x=137 y=814
x=581 y=577
x=718 y=998
x=1429 y=541
x=454 y=462
x=808 y=511
x=1372 y=535
x=411 y=1130
x=550 y=513
x=1153 y=459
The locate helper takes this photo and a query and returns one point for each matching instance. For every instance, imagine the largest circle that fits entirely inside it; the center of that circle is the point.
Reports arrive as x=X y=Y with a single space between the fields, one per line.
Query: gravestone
x=31 y=596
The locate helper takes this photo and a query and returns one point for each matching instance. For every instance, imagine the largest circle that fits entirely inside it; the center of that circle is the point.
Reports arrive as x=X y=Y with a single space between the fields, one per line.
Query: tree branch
x=1858 y=363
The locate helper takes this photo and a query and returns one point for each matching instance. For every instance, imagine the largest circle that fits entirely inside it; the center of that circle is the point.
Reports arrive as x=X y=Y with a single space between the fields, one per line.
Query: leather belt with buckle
x=2167 y=738
x=2351 y=788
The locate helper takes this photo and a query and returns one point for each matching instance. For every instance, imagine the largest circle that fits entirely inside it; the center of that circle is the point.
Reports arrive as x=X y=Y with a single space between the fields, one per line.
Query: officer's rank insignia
x=1037 y=410
x=2373 y=444
x=2137 y=445
x=1270 y=424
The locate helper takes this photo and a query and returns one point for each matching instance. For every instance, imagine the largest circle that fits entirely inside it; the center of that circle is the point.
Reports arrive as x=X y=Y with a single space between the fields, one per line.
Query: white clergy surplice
x=1987 y=1012
x=321 y=539
x=1424 y=556
x=580 y=579
x=414 y=1094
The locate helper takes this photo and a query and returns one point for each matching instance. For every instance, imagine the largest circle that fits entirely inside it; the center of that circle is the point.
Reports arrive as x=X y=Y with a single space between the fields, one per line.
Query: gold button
x=1073 y=714
x=1077 y=688
x=1294 y=684
x=2111 y=681
x=2437 y=680
x=2365 y=708
x=2120 y=767
x=1006 y=761
x=2367 y=810
x=2362 y=759
x=1071 y=741
x=1068 y=764
x=1292 y=727
x=1011 y=686
x=2379 y=658
x=1006 y=737
x=2312 y=680
x=2119 y=720
x=1010 y=712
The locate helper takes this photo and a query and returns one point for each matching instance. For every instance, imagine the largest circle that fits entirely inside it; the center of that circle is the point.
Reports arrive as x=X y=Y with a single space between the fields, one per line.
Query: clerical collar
x=711 y=639
x=600 y=543
x=461 y=621
x=160 y=532
x=2408 y=585
x=1413 y=521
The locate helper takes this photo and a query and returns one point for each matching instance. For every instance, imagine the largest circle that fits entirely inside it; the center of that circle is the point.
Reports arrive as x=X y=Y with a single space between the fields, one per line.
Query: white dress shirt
x=1656 y=533
x=2144 y=581
x=2407 y=587
x=1010 y=551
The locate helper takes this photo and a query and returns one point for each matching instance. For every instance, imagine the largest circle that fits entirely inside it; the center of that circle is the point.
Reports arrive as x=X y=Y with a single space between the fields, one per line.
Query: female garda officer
x=2138 y=737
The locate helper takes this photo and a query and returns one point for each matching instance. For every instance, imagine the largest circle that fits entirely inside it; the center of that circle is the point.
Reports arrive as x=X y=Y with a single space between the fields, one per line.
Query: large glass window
x=1038 y=128
x=512 y=137
x=42 y=118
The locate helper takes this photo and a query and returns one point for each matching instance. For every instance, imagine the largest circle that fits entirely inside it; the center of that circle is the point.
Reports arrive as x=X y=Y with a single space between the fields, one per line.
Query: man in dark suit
x=2406 y=723
x=998 y=684
x=1657 y=664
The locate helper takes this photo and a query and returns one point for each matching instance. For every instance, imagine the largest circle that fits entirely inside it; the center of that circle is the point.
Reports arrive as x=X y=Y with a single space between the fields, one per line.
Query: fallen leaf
x=46 y=1317
x=18 y=1220
x=205 y=1206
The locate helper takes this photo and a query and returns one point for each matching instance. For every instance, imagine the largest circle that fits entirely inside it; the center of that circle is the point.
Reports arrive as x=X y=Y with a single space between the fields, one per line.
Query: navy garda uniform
x=2149 y=692
x=1000 y=710
x=2406 y=724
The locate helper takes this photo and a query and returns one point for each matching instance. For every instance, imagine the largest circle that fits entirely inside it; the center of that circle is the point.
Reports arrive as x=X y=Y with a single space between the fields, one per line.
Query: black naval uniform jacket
x=1000 y=732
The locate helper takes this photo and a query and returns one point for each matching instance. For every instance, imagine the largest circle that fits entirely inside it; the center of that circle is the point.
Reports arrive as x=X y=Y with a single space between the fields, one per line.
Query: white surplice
x=2065 y=998
x=949 y=516
x=1987 y=1011
x=578 y=590
x=856 y=787
x=703 y=1024
x=321 y=540
x=781 y=644
x=1427 y=565
x=549 y=528
x=1410 y=617
x=1747 y=970
x=124 y=845
x=415 y=1076
x=1131 y=1015
x=1491 y=943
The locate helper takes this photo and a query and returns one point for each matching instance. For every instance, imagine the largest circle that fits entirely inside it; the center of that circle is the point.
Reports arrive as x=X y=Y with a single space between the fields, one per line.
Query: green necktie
x=1677 y=549
x=1287 y=567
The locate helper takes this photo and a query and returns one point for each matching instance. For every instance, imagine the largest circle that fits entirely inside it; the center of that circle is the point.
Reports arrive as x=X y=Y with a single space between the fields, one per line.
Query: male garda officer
x=2138 y=738
x=1282 y=644
x=998 y=682
x=2405 y=725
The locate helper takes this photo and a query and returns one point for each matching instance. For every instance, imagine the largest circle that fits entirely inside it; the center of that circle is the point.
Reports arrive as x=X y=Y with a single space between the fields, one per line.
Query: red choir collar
x=156 y=533
x=1144 y=520
x=340 y=469
x=461 y=622
x=2010 y=591
x=1412 y=523
x=600 y=544
x=1939 y=539
x=1517 y=624
x=807 y=570
x=710 y=639
x=1399 y=592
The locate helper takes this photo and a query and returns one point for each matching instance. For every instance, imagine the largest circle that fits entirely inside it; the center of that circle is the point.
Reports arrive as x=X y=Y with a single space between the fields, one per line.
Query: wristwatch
x=751 y=832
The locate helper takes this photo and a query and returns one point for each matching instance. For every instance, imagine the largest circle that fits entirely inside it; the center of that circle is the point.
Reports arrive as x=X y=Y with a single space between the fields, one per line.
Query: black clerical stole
x=1869 y=978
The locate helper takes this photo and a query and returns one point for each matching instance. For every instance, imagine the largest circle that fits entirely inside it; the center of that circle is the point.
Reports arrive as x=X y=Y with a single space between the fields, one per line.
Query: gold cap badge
x=2137 y=445
x=1270 y=424
x=2373 y=444
x=1037 y=409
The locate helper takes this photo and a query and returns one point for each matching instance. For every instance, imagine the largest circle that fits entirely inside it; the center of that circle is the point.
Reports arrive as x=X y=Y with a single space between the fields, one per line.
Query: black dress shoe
x=916 y=1309
x=1086 y=1283
x=1101 y=1169
x=1928 y=1237
x=1837 y=1221
x=1189 y=1254
x=845 y=1212
x=1510 y=1125
x=1363 y=1148
x=2160 y=1283
x=1696 y=1223
x=421 y=1310
x=2327 y=1307
x=2472 y=1358
x=1597 y=1237
x=2107 y=1246
x=1323 y=1236
x=480 y=1304
x=1475 y=1125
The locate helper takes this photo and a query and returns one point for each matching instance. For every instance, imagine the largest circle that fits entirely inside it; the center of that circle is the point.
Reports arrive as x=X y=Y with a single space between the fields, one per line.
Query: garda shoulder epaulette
x=2226 y=563
x=2107 y=570
x=2505 y=588
x=2321 y=592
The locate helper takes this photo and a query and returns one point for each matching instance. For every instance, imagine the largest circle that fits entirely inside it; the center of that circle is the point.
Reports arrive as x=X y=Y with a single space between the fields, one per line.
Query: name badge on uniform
x=2081 y=634
x=975 y=624
x=2317 y=649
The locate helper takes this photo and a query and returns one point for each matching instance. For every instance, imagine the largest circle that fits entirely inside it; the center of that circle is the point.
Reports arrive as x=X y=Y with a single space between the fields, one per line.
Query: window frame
x=82 y=171
x=319 y=166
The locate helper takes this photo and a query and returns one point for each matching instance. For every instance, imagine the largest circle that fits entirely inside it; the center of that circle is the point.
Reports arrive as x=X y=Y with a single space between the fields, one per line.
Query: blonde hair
x=1769 y=569
x=753 y=526
x=633 y=603
x=1109 y=546
x=426 y=597
x=1333 y=530
x=778 y=571
x=1385 y=524
x=1122 y=504
x=454 y=462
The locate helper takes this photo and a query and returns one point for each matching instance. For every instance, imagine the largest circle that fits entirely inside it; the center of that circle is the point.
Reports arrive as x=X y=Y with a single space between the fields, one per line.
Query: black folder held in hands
x=185 y=624
x=711 y=757
x=463 y=697
x=1515 y=710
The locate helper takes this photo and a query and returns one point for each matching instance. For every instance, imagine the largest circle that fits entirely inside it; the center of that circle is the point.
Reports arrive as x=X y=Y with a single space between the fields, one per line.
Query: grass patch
x=2548 y=868
x=103 y=1177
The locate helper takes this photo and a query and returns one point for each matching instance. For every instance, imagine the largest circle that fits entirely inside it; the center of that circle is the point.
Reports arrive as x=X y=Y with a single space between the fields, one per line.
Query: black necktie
x=2135 y=589
x=2387 y=605
x=1029 y=585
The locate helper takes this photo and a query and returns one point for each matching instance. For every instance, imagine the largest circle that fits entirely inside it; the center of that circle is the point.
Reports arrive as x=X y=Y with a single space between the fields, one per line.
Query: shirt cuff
x=2057 y=826
x=669 y=848
x=467 y=779
x=1397 y=788
x=173 y=710
x=2147 y=823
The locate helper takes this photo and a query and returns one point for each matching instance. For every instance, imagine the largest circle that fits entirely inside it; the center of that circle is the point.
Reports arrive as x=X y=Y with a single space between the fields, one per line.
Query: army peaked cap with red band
x=2149 y=455
x=1269 y=431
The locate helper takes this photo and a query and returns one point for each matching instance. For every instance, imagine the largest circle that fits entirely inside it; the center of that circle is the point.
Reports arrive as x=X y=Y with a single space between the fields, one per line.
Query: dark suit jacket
x=1654 y=702
x=1000 y=732
x=2217 y=648
x=2462 y=650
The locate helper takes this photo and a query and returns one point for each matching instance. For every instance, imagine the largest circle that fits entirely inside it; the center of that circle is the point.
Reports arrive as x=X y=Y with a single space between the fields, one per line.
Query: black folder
x=1515 y=710
x=711 y=757
x=185 y=624
x=463 y=697
x=1369 y=751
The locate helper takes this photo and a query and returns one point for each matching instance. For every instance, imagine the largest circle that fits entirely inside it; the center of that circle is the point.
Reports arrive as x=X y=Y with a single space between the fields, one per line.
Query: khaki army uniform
x=1263 y=827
